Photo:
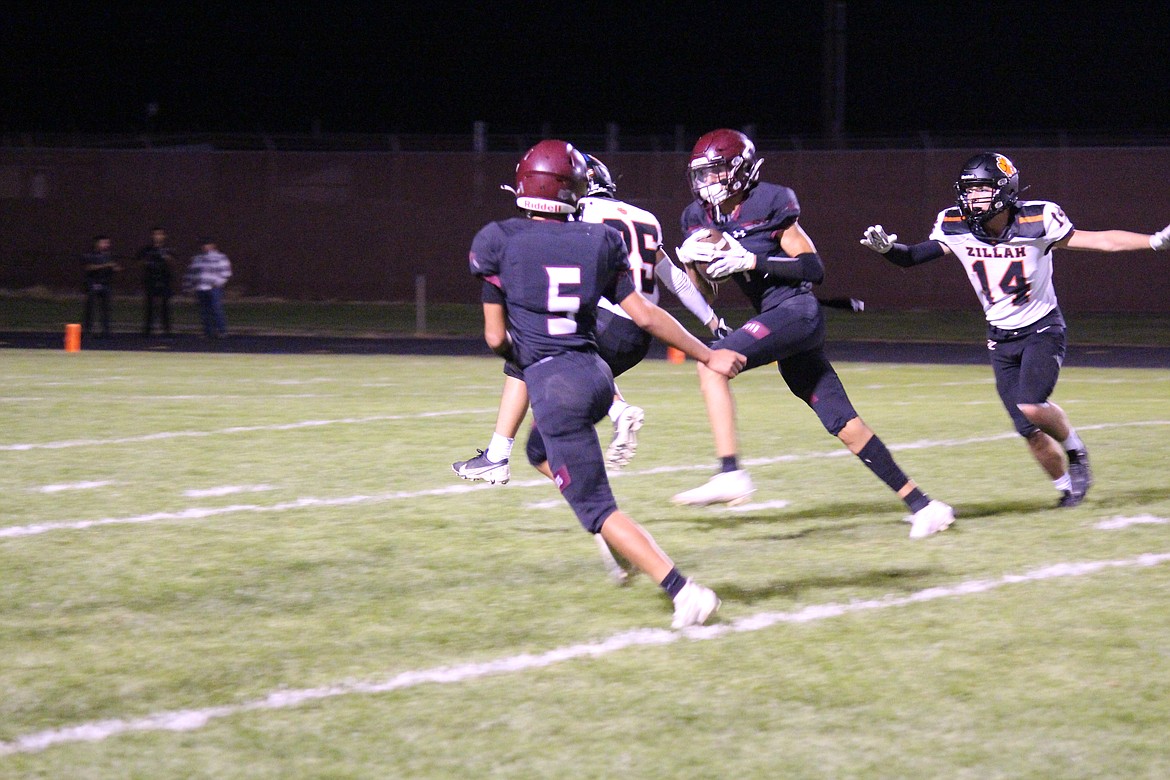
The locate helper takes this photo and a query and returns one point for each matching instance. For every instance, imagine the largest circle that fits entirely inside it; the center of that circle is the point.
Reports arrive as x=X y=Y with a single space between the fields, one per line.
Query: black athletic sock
x=878 y=459
x=730 y=463
x=673 y=582
x=916 y=499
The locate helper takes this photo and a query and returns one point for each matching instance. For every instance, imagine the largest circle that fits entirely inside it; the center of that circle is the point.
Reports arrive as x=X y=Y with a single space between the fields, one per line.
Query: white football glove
x=1160 y=240
x=694 y=250
x=878 y=240
x=733 y=259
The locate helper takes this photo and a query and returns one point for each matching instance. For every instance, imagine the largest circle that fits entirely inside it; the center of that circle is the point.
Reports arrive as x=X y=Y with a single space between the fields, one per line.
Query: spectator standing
x=206 y=277
x=99 y=266
x=156 y=259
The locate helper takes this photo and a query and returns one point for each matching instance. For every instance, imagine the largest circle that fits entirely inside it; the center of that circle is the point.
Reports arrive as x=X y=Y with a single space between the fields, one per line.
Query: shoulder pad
x=1030 y=219
x=951 y=222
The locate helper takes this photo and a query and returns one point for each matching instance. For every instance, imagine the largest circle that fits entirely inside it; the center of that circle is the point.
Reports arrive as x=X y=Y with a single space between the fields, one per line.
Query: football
x=712 y=236
x=715 y=237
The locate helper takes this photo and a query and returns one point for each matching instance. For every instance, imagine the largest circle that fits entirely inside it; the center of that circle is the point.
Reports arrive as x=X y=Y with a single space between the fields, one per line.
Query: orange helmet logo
x=1005 y=165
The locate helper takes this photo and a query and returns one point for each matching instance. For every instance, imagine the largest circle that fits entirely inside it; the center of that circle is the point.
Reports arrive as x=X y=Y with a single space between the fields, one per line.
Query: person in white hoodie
x=206 y=277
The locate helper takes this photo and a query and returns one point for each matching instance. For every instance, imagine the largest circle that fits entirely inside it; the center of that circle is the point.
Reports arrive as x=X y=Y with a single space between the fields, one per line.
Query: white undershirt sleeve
x=677 y=281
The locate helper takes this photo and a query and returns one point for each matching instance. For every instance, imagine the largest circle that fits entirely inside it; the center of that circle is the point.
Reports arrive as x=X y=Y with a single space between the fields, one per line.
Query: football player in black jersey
x=552 y=272
x=1005 y=245
x=620 y=342
x=766 y=252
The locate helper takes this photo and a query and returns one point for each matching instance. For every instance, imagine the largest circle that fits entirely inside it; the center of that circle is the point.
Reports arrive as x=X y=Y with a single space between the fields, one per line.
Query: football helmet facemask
x=990 y=171
x=601 y=184
x=723 y=163
x=550 y=178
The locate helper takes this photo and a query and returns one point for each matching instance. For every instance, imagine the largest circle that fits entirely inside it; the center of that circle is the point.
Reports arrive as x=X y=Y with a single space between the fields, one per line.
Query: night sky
x=942 y=68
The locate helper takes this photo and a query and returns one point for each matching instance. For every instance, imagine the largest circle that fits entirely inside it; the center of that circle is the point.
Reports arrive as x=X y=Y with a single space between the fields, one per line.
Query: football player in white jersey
x=1005 y=245
x=621 y=343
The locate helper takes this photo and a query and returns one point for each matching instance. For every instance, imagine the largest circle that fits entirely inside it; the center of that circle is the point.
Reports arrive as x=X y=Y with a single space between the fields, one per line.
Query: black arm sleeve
x=805 y=267
x=490 y=293
x=915 y=254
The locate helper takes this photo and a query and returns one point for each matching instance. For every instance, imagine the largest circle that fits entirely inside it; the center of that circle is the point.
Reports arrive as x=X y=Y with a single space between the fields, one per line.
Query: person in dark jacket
x=99 y=267
x=156 y=259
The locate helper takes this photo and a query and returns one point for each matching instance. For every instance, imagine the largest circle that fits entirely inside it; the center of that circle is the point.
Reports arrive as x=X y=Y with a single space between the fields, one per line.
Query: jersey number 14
x=1013 y=282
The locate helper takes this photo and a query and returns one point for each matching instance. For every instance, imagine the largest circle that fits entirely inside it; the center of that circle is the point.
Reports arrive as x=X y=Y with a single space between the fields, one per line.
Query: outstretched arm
x=660 y=324
x=1115 y=240
x=877 y=239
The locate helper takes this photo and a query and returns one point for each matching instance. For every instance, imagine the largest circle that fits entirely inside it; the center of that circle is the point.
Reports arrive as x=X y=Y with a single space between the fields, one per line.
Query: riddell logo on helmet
x=539 y=204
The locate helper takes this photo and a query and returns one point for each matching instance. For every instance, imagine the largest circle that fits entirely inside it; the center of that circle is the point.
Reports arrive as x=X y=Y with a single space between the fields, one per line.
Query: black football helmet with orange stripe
x=992 y=171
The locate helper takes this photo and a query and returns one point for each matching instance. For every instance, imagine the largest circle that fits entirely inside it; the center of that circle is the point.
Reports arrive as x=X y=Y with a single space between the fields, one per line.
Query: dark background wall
x=360 y=226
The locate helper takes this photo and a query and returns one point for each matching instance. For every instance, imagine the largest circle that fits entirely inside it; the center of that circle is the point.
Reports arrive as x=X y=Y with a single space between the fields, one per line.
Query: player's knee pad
x=593 y=519
x=834 y=410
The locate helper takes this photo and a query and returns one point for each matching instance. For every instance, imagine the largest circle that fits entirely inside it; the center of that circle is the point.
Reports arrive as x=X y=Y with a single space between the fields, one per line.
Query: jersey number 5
x=566 y=306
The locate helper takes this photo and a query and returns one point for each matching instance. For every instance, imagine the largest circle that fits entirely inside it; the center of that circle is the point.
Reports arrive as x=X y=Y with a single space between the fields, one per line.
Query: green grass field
x=225 y=566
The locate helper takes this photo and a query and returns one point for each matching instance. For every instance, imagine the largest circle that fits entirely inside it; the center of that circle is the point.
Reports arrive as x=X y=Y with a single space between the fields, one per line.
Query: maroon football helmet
x=550 y=178
x=723 y=164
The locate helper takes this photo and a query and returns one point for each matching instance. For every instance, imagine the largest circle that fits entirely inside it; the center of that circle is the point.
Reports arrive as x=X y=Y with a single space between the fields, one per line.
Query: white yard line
x=1115 y=523
x=163 y=435
x=201 y=513
x=226 y=490
x=1065 y=380
x=110 y=399
x=192 y=719
x=551 y=503
x=72 y=486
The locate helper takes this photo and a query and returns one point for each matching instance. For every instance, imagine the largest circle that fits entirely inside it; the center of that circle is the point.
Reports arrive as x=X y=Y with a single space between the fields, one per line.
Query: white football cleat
x=930 y=519
x=693 y=605
x=619 y=571
x=625 y=437
x=480 y=468
x=728 y=487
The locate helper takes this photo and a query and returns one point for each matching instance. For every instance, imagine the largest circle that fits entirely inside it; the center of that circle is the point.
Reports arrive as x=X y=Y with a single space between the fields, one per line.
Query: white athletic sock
x=500 y=448
x=1063 y=484
x=1073 y=442
x=617 y=408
